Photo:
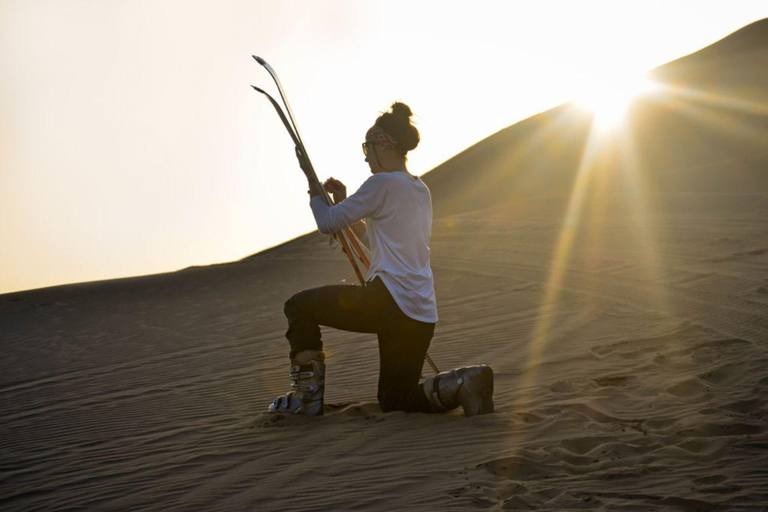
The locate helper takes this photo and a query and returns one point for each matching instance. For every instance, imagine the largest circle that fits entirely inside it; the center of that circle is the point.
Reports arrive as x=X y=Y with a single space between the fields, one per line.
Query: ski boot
x=470 y=387
x=306 y=395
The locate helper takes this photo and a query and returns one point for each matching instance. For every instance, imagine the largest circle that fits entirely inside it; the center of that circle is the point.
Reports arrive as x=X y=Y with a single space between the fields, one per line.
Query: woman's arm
x=364 y=203
x=351 y=213
x=339 y=191
x=359 y=229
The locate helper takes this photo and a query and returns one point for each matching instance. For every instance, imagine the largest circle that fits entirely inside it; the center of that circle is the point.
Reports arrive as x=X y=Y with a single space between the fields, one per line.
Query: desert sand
x=618 y=289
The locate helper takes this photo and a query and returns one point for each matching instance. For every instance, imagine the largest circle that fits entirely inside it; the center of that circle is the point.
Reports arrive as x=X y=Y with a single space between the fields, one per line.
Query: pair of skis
x=293 y=130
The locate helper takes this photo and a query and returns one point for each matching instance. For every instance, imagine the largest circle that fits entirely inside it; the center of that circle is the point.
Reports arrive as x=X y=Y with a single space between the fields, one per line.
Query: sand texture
x=622 y=302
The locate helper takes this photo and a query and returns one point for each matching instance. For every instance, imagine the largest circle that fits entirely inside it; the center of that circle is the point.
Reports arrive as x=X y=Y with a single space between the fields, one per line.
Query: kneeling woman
x=392 y=214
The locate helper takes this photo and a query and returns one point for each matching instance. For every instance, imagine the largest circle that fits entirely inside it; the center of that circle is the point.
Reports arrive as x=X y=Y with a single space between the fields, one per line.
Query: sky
x=131 y=142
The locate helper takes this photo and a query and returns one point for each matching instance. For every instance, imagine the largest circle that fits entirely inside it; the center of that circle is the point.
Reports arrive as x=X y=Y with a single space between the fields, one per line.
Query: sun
x=609 y=98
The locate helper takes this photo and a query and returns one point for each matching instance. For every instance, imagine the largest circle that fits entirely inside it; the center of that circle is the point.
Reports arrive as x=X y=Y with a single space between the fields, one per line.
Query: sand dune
x=630 y=350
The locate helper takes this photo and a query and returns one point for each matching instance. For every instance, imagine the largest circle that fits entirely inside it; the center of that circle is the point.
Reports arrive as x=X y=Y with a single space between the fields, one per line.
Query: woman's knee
x=389 y=402
x=292 y=306
x=289 y=308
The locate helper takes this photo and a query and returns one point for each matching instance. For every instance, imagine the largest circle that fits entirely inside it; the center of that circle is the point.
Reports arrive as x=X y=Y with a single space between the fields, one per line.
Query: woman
x=392 y=215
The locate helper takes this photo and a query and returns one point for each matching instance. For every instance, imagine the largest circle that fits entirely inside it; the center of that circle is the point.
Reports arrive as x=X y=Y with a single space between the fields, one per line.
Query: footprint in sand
x=688 y=388
x=743 y=406
x=612 y=381
x=522 y=469
x=714 y=484
x=722 y=429
x=564 y=386
x=583 y=445
x=724 y=375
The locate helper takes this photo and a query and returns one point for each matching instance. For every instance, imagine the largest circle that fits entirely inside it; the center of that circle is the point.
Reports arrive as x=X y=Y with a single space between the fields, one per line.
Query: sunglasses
x=367 y=146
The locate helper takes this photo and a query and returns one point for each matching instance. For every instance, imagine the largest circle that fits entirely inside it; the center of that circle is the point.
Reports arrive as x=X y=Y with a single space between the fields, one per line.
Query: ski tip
x=259 y=60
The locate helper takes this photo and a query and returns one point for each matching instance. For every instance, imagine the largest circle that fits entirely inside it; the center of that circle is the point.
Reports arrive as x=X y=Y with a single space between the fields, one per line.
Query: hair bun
x=397 y=123
x=401 y=110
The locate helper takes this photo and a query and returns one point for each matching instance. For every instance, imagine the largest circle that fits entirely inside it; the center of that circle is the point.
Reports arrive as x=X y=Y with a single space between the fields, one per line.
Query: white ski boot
x=470 y=387
x=306 y=395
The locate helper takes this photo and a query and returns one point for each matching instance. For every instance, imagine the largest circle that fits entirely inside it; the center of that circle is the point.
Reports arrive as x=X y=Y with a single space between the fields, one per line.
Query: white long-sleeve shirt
x=397 y=208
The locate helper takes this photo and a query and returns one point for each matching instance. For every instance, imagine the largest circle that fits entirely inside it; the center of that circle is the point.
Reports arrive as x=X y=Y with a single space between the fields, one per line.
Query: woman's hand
x=337 y=188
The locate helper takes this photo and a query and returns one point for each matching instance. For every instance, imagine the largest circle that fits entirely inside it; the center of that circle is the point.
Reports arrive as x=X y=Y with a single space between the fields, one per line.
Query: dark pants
x=403 y=341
